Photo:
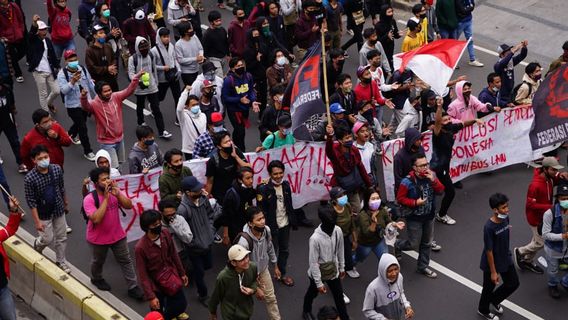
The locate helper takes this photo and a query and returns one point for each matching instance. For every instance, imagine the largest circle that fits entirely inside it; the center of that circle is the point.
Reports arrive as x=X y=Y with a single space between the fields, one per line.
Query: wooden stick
x=9 y=195
x=324 y=65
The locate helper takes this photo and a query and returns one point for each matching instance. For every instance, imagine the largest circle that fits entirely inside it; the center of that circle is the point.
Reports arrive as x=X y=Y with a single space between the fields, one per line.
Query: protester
x=505 y=66
x=466 y=106
x=447 y=19
x=72 y=78
x=216 y=43
x=8 y=121
x=307 y=28
x=372 y=43
x=334 y=68
x=326 y=264
x=405 y=80
x=172 y=175
x=100 y=59
x=136 y=26
x=282 y=137
x=167 y=67
x=237 y=33
x=189 y=53
x=159 y=268
x=355 y=12
x=196 y=210
x=334 y=12
x=234 y=287
x=208 y=74
x=531 y=82
x=496 y=260
x=385 y=297
x=362 y=132
x=60 y=21
x=107 y=110
x=493 y=94
x=145 y=153
x=280 y=72
x=256 y=58
x=204 y=143
x=464 y=11
x=368 y=90
x=191 y=120
x=413 y=39
x=562 y=60
x=179 y=229
x=47 y=199
x=7 y=306
x=238 y=198
x=387 y=31
x=411 y=115
x=268 y=123
x=180 y=11
x=345 y=220
x=433 y=31
x=289 y=9
x=110 y=25
x=374 y=58
x=43 y=63
x=13 y=30
x=208 y=103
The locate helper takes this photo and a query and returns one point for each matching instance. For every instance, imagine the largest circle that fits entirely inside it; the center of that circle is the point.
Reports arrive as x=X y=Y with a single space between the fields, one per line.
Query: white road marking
x=475 y=287
x=132 y=105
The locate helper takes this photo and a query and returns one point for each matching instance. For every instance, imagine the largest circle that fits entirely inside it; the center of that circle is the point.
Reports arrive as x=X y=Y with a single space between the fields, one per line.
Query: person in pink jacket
x=107 y=109
x=466 y=106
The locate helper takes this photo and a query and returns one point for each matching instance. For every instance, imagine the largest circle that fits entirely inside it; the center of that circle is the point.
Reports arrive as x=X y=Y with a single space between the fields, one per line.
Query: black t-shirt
x=224 y=172
x=3 y=278
x=496 y=239
x=442 y=145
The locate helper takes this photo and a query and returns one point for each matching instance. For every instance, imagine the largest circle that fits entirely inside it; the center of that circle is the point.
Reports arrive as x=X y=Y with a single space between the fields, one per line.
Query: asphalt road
x=442 y=298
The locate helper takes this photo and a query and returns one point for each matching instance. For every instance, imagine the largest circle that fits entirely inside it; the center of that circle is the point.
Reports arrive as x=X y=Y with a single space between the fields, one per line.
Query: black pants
x=8 y=127
x=154 y=101
x=337 y=292
x=281 y=242
x=174 y=87
x=510 y=284
x=261 y=93
x=348 y=253
x=238 y=129
x=195 y=20
x=449 y=190
x=200 y=262
x=290 y=38
x=79 y=127
x=172 y=306
x=16 y=51
x=188 y=78
x=357 y=38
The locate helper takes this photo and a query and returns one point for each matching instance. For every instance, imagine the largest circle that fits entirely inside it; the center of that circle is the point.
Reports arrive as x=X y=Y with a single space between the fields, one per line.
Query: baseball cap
x=139 y=15
x=284 y=120
x=207 y=84
x=361 y=70
x=216 y=119
x=154 y=315
x=562 y=189
x=336 y=192
x=41 y=25
x=191 y=184
x=97 y=27
x=336 y=108
x=237 y=253
x=68 y=54
x=358 y=125
x=208 y=66
x=502 y=48
x=551 y=162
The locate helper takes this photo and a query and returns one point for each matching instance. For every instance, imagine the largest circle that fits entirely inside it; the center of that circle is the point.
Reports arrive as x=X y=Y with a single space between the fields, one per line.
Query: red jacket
x=539 y=197
x=341 y=166
x=5 y=233
x=11 y=23
x=238 y=37
x=365 y=93
x=54 y=146
x=60 y=20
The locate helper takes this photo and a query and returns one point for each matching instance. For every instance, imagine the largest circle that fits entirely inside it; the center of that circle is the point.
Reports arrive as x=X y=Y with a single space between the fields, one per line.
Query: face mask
x=195 y=109
x=258 y=229
x=144 y=52
x=366 y=80
x=218 y=129
x=276 y=183
x=195 y=196
x=372 y=42
x=149 y=142
x=422 y=16
x=241 y=18
x=266 y=31
x=209 y=76
x=348 y=144
x=281 y=61
x=43 y=163
x=228 y=150
x=466 y=94
x=106 y=13
x=101 y=40
x=190 y=33
x=340 y=62
x=537 y=77
x=563 y=204
x=73 y=65
x=240 y=71
x=494 y=89
x=255 y=39
x=209 y=94
x=342 y=201
x=177 y=168
x=287 y=131
x=374 y=204
x=502 y=216
x=328 y=224
x=245 y=186
x=169 y=219
x=156 y=230
x=368 y=115
x=348 y=89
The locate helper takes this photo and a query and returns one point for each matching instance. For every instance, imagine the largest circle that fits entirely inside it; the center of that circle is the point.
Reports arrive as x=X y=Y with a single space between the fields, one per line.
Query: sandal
x=287 y=281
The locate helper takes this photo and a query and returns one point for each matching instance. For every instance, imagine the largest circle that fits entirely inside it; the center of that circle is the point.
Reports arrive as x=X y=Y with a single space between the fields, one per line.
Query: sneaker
x=350 y=32
x=89 y=156
x=488 y=316
x=218 y=239
x=204 y=301
x=176 y=123
x=75 y=140
x=22 y=168
x=68 y=230
x=445 y=219
x=435 y=247
x=517 y=259
x=429 y=273
x=353 y=273
x=533 y=267
x=183 y=316
x=498 y=309
x=476 y=63
x=165 y=135
x=101 y=284
x=143 y=124
x=63 y=266
x=136 y=293
x=1 y=160
x=36 y=247
x=554 y=292
x=20 y=79
x=346 y=299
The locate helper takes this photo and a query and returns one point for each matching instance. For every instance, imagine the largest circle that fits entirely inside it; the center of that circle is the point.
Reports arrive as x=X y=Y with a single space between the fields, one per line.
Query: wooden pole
x=9 y=195
x=325 y=89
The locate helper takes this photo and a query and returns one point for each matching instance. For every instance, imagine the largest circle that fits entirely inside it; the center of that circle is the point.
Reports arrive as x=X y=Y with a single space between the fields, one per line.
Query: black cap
x=336 y=192
x=502 y=48
x=562 y=189
x=208 y=66
x=284 y=120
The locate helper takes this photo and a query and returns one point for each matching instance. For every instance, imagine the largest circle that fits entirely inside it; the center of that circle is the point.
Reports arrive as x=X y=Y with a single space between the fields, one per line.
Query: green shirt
x=234 y=304
x=274 y=140
x=367 y=237
x=344 y=220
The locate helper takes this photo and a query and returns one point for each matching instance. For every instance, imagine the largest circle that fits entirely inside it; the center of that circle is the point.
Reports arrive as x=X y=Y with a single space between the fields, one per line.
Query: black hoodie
x=237 y=200
x=403 y=158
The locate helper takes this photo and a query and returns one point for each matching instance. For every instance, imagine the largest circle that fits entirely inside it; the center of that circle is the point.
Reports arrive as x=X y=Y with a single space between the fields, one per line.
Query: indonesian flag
x=434 y=63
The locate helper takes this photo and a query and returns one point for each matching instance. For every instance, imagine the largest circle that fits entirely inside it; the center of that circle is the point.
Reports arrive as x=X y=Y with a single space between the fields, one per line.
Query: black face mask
x=156 y=230
x=241 y=18
x=209 y=94
x=368 y=115
x=177 y=168
x=228 y=150
x=144 y=51
x=466 y=94
x=258 y=229
x=341 y=62
x=372 y=42
x=447 y=126
x=169 y=219
x=328 y=225
x=366 y=80
x=422 y=16
x=240 y=71
x=190 y=33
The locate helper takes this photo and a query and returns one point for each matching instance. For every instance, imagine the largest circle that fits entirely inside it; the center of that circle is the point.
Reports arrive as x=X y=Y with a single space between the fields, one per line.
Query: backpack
x=97 y=205
x=516 y=90
x=248 y=238
x=66 y=74
x=135 y=61
x=539 y=227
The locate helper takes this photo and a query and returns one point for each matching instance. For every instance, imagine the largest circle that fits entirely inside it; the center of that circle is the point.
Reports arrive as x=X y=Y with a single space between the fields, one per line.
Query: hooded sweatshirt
x=170 y=184
x=237 y=35
x=114 y=173
x=234 y=304
x=168 y=54
x=187 y=52
x=60 y=19
x=108 y=114
x=461 y=112
x=140 y=159
x=262 y=251
x=180 y=231
x=192 y=125
x=383 y=299
x=539 y=197
x=176 y=13
x=324 y=248
x=403 y=158
x=147 y=64
x=199 y=217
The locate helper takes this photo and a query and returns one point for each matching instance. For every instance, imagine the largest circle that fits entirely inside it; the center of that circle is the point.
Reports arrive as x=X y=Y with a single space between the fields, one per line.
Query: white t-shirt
x=366 y=152
x=43 y=65
x=281 y=216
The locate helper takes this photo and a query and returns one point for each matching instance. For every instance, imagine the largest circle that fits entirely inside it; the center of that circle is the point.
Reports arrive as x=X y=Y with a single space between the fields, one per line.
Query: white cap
x=139 y=15
x=237 y=253
x=41 y=25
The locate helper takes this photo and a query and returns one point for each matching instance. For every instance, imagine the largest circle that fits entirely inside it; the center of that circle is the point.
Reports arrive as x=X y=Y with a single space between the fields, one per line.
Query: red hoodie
x=11 y=23
x=341 y=165
x=5 y=233
x=539 y=197
x=60 y=20
x=54 y=146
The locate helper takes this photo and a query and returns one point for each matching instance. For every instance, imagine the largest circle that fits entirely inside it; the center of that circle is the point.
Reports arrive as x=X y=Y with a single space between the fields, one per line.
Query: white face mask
x=195 y=109
x=281 y=61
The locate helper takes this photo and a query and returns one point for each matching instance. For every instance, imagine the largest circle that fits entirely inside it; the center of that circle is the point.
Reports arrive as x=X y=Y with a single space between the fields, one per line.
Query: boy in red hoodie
x=61 y=31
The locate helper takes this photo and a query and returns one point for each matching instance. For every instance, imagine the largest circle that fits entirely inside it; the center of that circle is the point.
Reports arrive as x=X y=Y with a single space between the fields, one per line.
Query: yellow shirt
x=159 y=10
x=410 y=43
x=424 y=32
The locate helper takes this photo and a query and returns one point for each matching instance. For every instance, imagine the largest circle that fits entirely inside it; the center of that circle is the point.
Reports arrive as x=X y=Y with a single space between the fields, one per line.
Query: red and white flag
x=434 y=63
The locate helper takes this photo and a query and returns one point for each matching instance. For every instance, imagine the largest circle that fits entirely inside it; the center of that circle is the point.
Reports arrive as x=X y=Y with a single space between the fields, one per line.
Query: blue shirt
x=72 y=93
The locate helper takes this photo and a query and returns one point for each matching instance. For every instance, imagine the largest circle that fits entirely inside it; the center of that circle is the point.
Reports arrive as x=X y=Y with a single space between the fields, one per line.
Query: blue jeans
x=7 y=307
x=60 y=48
x=116 y=152
x=467 y=28
x=362 y=251
x=447 y=34
x=420 y=235
x=552 y=272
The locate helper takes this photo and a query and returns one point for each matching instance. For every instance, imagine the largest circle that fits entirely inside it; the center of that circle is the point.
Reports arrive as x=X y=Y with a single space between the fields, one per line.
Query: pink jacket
x=108 y=114
x=459 y=111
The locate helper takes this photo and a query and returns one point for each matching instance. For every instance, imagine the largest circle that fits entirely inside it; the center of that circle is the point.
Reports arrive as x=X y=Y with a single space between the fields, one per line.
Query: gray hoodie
x=262 y=251
x=181 y=232
x=169 y=55
x=385 y=300
x=200 y=219
x=324 y=248
x=138 y=158
x=147 y=63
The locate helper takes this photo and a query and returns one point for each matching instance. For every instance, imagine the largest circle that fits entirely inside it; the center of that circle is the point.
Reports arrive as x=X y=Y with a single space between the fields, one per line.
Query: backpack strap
x=247 y=237
x=95 y=198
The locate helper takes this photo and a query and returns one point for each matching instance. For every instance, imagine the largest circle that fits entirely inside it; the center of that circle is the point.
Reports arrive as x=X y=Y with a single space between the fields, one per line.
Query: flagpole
x=10 y=196
x=326 y=93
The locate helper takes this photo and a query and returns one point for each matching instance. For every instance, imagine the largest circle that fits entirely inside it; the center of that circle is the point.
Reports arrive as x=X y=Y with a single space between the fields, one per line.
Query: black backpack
x=516 y=90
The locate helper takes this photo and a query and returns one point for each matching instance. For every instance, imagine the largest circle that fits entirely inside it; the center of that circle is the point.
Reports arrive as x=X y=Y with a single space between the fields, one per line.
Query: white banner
x=307 y=169
x=502 y=141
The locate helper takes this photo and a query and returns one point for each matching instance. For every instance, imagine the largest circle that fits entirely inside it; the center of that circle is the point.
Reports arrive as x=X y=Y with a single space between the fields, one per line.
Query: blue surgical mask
x=106 y=13
x=563 y=204
x=348 y=144
x=195 y=109
x=342 y=201
x=287 y=131
x=73 y=65
x=43 y=163
x=218 y=129
x=101 y=40
x=502 y=216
